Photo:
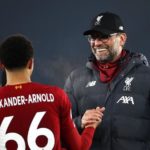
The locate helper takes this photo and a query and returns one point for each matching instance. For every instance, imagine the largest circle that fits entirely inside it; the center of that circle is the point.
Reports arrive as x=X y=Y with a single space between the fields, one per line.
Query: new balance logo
x=91 y=83
x=126 y=100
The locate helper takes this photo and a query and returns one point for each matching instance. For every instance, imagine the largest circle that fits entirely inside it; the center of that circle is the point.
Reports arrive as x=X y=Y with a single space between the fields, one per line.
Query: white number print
x=9 y=136
x=33 y=133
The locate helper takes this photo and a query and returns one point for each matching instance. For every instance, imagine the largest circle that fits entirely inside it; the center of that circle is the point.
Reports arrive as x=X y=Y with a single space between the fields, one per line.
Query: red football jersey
x=37 y=117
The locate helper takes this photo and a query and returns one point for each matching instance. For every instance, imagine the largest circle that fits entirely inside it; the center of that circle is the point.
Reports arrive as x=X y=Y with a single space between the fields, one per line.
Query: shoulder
x=139 y=57
x=59 y=94
x=140 y=62
x=48 y=88
x=82 y=71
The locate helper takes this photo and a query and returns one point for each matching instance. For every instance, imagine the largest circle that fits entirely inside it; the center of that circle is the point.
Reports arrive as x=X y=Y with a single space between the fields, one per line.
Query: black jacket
x=126 y=121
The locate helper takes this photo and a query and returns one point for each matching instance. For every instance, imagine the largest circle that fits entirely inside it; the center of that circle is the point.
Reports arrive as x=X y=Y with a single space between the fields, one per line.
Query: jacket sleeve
x=72 y=140
x=70 y=92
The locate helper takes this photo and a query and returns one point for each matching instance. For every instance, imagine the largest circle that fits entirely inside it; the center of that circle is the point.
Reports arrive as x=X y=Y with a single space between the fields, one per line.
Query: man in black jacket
x=116 y=79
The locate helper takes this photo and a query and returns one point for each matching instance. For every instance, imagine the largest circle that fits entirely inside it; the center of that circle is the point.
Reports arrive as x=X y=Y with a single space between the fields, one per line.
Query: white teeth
x=101 y=49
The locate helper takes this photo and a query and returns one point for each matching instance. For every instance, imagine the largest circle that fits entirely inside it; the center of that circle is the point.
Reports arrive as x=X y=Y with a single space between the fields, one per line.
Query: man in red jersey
x=35 y=116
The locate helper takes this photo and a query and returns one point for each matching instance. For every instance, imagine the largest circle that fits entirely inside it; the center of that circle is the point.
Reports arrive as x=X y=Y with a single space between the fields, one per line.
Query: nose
x=98 y=42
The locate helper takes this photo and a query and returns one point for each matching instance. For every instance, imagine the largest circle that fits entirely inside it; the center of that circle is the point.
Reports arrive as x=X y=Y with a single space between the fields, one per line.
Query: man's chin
x=103 y=59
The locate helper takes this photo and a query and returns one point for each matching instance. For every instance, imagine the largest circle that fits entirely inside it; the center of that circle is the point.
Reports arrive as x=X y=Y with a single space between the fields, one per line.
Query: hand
x=92 y=117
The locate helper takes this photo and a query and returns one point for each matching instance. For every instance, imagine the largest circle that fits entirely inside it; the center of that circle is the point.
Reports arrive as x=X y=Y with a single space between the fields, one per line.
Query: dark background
x=56 y=26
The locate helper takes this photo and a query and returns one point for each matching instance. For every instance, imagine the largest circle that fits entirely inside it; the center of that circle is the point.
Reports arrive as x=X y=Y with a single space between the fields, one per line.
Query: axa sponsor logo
x=91 y=83
x=126 y=100
x=128 y=83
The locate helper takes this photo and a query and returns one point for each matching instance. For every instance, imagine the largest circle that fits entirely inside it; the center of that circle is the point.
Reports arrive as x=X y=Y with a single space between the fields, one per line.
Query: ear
x=1 y=66
x=123 y=38
x=30 y=64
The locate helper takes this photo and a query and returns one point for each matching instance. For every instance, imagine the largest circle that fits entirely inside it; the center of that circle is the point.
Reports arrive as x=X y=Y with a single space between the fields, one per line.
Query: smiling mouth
x=101 y=49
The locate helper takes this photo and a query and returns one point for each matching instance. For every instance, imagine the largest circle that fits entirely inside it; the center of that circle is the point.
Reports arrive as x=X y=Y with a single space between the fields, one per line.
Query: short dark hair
x=15 y=52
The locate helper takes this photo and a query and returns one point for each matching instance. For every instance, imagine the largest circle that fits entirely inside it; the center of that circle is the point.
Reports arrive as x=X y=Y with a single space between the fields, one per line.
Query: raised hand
x=92 y=117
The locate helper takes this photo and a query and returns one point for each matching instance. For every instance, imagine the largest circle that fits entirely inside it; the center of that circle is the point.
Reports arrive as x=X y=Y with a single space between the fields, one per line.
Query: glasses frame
x=104 y=38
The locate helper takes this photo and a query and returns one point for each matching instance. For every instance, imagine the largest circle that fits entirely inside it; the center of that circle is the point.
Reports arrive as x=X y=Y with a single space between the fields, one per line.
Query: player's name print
x=22 y=100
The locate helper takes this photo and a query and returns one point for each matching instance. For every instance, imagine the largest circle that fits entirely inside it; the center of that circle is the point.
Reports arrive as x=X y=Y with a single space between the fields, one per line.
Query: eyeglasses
x=100 y=37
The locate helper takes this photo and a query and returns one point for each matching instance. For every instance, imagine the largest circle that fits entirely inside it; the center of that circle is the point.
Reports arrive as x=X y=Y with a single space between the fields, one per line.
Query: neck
x=17 y=77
